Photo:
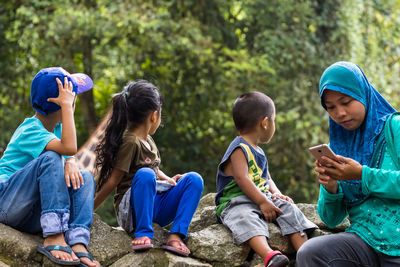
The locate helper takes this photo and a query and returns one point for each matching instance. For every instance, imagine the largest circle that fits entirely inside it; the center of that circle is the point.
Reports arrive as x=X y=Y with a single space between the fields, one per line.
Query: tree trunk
x=86 y=99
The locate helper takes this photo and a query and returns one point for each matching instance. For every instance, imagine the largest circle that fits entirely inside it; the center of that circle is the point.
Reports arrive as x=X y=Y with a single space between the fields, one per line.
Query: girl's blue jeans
x=177 y=204
x=37 y=199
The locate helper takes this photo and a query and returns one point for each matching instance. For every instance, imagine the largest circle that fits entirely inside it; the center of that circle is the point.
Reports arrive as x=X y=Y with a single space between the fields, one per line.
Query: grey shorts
x=245 y=219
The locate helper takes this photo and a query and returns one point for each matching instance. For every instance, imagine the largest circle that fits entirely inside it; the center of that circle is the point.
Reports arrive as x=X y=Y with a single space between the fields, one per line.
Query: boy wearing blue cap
x=41 y=187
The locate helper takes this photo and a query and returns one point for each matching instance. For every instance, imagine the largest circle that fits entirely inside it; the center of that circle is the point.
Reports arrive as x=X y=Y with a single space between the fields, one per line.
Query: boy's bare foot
x=58 y=239
x=81 y=248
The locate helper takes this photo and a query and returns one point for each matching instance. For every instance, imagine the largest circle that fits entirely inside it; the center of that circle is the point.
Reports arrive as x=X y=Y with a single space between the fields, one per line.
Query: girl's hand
x=72 y=174
x=269 y=210
x=342 y=169
x=171 y=181
x=279 y=195
x=66 y=96
x=176 y=177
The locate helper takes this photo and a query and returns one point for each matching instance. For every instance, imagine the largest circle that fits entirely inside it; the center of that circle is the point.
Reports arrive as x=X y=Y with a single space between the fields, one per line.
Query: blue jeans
x=36 y=199
x=177 y=204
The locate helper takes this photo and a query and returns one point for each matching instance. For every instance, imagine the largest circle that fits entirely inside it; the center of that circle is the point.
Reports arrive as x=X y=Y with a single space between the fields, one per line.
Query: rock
x=319 y=232
x=207 y=201
x=214 y=245
x=205 y=214
x=108 y=244
x=17 y=247
x=310 y=211
x=210 y=243
x=278 y=242
x=203 y=218
x=157 y=257
x=160 y=235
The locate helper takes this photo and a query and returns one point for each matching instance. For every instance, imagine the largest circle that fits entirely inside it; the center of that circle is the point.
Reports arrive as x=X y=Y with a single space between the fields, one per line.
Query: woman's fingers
x=323 y=179
x=320 y=170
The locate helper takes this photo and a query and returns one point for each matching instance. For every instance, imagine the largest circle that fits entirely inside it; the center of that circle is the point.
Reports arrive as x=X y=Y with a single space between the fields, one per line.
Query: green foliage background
x=202 y=55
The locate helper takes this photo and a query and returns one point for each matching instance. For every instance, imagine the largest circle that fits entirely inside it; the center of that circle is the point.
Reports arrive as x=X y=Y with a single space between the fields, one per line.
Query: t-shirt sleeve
x=34 y=140
x=124 y=157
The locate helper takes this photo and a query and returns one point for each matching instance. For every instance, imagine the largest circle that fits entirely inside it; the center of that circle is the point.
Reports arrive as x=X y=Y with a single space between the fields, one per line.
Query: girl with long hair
x=128 y=160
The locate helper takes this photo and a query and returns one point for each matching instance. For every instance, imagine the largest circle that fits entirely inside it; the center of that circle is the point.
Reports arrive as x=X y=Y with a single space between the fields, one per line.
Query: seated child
x=40 y=191
x=247 y=197
x=128 y=160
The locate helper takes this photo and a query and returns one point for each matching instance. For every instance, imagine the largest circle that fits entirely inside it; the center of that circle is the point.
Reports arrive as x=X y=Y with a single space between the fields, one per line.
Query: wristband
x=71 y=157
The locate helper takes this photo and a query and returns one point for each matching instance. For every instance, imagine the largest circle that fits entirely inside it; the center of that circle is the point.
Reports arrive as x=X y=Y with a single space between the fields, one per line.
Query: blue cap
x=44 y=86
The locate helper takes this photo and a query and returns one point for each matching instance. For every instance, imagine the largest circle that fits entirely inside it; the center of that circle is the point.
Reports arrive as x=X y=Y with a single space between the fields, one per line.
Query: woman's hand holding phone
x=345 y=169
x=331 y=167
x=320 y=151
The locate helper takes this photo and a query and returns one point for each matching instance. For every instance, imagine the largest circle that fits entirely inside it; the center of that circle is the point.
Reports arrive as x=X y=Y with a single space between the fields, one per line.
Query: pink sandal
x=175 y=250
x=276 y=259
x=143 y=246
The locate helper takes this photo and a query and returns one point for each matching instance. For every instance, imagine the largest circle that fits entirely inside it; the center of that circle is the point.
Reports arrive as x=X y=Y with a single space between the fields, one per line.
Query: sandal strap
x=84 y=255
x=146 y=238
x=66 y=249
x=169 y=243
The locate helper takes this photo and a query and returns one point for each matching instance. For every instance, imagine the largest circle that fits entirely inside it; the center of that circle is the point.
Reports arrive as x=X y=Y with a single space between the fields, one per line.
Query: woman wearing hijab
x=363 y=181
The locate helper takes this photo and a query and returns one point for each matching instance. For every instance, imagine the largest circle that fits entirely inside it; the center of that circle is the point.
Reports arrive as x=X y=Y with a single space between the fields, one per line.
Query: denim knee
x=196 y=181
x=52 y=161
x=88 y=180
x=52 y=158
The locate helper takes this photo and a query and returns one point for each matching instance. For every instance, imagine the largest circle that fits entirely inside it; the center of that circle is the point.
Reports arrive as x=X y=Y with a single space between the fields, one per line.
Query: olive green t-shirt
x=133 y=155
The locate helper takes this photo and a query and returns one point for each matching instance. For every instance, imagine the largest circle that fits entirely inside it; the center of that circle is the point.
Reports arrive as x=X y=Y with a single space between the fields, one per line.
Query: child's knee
x=88 y=179
x=52 y=158
x=195 y=180
x=145 y=176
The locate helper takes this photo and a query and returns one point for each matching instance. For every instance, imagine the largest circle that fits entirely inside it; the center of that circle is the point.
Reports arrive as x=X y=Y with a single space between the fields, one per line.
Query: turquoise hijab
x=348 y=78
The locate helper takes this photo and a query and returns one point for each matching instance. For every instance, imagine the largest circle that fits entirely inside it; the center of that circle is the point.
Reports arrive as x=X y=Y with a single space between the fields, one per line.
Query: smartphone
x=322 y=150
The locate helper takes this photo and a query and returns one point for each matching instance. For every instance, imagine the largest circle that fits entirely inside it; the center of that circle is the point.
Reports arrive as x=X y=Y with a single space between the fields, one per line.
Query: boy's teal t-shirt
x=26 y=144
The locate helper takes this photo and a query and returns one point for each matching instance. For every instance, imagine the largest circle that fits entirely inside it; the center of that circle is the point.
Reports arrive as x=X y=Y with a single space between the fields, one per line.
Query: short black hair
x=249 y=108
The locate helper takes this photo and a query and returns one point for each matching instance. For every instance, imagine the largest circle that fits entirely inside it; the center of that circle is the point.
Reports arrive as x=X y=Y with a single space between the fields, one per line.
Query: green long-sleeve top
x=376 y=220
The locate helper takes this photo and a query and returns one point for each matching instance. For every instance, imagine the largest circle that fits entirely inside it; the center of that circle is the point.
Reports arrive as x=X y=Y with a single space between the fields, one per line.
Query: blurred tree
x=202 y=55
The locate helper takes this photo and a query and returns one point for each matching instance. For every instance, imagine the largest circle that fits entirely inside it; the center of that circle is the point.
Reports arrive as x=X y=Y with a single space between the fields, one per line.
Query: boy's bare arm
x=67 y=145
x=272 y=186
x=239 y=168
x=275 y=191
x=108 y=187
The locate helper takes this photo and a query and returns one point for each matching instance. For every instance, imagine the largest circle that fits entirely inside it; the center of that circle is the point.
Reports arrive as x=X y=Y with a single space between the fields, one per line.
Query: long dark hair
x=130 y=108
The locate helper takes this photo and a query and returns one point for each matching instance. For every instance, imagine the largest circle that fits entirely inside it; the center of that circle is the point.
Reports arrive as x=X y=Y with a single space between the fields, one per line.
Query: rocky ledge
x=210 y=243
